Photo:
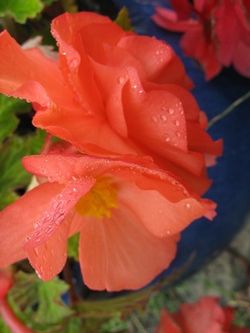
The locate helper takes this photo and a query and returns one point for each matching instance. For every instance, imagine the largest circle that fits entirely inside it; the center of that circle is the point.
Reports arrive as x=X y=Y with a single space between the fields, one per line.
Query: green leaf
x=3 y=327
x=72 y=326
x=123 y=20
x=39 y=303
x=48 y=2
x=73 y=244
x=13 y=176
x=115 y=324
x=20 y=10
x=8 y=121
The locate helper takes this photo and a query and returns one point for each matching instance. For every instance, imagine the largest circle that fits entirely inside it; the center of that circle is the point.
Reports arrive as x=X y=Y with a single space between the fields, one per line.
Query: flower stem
x=229 y=109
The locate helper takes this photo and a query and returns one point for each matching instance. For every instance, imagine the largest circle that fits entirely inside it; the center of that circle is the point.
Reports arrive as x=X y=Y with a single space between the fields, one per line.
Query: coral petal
x=17 y=221
x=123 y=243
x=160 y=216
x=49 y=258
x=35 y=67
x=54 y=215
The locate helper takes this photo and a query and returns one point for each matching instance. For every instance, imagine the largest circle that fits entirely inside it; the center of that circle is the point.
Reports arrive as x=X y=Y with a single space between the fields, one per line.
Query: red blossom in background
x=216 y=33
x=204 y=316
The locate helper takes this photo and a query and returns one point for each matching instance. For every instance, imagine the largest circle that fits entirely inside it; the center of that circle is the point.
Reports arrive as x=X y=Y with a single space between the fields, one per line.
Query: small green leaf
x=123 y=20
x=39 y=303
x=13 y=176
x=72 y=326
x=20 y=10
x=48 y=2
x=115 y=324
x=8 y=121
x=73 y=244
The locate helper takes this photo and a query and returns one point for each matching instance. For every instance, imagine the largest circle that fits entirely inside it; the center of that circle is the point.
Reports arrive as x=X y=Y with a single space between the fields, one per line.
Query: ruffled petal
x=75 y=128
x=48 y=259
x=61 y=168
x=74 y=61
x=155 y=119
x=54 y=215
x=17 y=221
x=157 y=61
x=37 y=79
x=160 y=216
x=119 y=253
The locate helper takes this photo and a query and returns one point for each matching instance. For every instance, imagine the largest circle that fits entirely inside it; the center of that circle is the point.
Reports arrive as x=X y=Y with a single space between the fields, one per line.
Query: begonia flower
x=6 y=313
x=112 y=93
x=204 y=316
x=216 y=33
x=129 y=216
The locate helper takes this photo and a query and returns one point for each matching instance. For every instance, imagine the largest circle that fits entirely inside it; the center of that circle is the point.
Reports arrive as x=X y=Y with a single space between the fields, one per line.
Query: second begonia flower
x=216 y=33
x=112 y=93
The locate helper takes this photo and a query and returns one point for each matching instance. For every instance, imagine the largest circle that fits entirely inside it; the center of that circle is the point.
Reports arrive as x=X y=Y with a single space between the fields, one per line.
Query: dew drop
x=121 y=79
x=163 y=117
x=171 y=111
x=167 y=139
x=177 y=123
x=178 y=134
x=38 y=274
x=188 y=205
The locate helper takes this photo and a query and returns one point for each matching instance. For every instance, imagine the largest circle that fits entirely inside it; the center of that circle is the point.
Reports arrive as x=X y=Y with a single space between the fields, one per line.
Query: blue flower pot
x=231 y=188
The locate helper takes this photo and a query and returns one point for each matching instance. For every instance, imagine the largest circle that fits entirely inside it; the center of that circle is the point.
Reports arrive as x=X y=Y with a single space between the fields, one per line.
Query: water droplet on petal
x=154 y=118
x=178 y=134
x=171 y=111
x=177 y=123
x=121 y=79
x=163 y=117
x=167 y=139
x=188 y=205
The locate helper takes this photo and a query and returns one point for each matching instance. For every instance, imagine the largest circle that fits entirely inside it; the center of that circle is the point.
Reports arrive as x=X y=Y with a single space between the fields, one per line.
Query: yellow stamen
x=100 y=201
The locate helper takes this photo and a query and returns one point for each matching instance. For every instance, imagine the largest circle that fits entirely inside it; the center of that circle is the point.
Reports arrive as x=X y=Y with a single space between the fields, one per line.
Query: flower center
x=100 y=201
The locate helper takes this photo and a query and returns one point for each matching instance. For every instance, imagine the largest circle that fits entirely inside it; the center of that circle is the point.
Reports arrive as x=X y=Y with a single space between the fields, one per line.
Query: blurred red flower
x=129 y=217
x=204 y=316
x=216 y=33
x=112 y=93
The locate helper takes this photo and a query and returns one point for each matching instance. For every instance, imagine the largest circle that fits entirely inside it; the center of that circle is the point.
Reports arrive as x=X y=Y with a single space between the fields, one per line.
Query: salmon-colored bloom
x=6 y=312
x=112 y=93
x=129 y=216
x=204 y=316
x=216 y=33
